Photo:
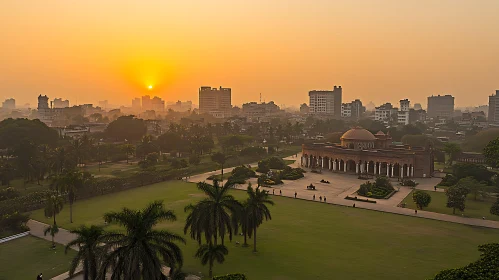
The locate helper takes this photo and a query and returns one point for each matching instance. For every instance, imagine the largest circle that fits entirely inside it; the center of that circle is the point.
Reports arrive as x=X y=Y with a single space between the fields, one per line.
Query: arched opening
x=327 y=163
x=341 y=166
x=371 y=167
x=351 y=165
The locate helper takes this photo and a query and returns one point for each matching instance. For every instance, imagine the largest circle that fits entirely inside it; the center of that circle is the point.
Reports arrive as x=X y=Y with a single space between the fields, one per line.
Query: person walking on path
x=39 y=277
x=272 y=191
x=415 y=211
x=354 y=205
x=324 y=198
x=314 y=196
x=320 y=198
x=295 y=194
x=280 y=192
x=435 y=188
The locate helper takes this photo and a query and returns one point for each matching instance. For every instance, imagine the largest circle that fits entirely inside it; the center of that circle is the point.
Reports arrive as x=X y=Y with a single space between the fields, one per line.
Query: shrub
x=421 y=199
x=252 y=151
x=289 y=173
x=8 y=193
x=276 y=163
x=381 y=188
x=243 y=172
x=448 y=180
x=194 y=160
x=263 y=166
x=15 y=222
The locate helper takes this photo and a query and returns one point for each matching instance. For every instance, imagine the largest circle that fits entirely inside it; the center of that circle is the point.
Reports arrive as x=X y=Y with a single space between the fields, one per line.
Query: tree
x=483 y=269
x=474 y=187
x=89 y=250
x=452 y=150
x=478 y=142
x=69 y=182
x=214 y=216
x=257 y=209
x=491 y=153
x=209 y=253
x=477 y=171
x=140 y=251
x=456 y=198
x=422 y=199
x=128 y=149
x=126 y=128
x=53 y=206
x=13 y=132
x=219 y=158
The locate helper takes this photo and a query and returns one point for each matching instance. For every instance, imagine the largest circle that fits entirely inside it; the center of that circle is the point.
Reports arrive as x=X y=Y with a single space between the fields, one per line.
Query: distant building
x=304 y=109
x=254 y=110
x=59 y=103
x=417 y=116
x=9 y=104
x=441 y=106
x=403 y=116
x=353 y=109
x=180 y=106
x=216 y=102
x=104 y=104
x=326 y=102
x=146 y=103
x=493 y=116
x=417 y=106
x=385 y=113
x=44 y=112
x=136 y=104
x=158 y=104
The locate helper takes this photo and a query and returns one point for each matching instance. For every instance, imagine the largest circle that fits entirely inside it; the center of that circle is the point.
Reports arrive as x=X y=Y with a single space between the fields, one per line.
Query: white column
x=375 y=168
x=387 y=170
x=357 y=168
x=334 y=165
x=344 y=166
x=322 y=163
x=402 y=171
x=393 y=169
x=408 y=171
x=379 y=168
x=367 y=168
x=412 y=171
x=302 y=160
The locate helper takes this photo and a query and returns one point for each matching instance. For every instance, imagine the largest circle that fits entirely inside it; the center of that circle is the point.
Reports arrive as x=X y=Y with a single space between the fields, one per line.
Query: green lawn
x=28 y=187
x=26 y=257
x=474 y=209
x=310 y=240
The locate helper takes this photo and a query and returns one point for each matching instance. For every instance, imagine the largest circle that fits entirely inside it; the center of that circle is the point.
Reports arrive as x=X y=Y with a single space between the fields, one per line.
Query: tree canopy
x=491 y=153
x=13 y=132
x=479 y=141
x=126 y=128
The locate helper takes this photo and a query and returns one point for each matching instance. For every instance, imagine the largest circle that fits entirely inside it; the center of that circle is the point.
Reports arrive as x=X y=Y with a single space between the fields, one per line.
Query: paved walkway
x=346 y=184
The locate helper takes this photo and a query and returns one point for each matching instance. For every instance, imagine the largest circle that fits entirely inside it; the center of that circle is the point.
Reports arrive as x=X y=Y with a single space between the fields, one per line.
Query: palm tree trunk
x=71 y=212
x=222 y=172
x=211 y=270
x=254 y=239
x=453 y=210
x=245 y=241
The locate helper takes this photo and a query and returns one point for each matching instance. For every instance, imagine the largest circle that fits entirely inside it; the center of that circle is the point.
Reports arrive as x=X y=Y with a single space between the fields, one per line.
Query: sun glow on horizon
x=149 y=87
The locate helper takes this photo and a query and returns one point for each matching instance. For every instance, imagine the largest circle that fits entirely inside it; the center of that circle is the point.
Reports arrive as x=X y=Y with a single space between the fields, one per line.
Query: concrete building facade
x=216 y=102
x=326 y=102
x=441 y=106
x=493 y=116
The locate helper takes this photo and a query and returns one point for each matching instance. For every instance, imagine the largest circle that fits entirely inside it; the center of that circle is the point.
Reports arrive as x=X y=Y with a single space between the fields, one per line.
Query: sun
x=149 y=87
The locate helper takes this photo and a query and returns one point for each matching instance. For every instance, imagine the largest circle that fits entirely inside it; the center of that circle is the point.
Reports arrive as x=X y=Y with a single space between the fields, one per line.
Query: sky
x=377 y=50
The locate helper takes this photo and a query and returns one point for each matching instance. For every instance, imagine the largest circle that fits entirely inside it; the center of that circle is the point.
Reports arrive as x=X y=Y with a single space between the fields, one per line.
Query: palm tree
x=88 y=241
x=257 y=209
x=53 y=230
x=53 y=206
x=213 y=216
x=209 y=253
x=219 y=158
x=452 y=150
x=140 y=251
x=245 y=222
x=69 y=182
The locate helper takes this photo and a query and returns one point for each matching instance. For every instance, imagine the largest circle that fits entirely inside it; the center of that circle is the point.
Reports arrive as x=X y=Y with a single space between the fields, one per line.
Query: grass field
x=310 y=240
x=474 y=209
x=26 y=257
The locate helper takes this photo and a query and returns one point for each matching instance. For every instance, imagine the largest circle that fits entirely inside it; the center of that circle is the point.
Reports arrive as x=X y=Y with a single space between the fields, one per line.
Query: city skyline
x=281 y=49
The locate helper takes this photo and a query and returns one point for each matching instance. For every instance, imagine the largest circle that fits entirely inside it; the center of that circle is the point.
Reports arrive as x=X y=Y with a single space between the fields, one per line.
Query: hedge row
x=235 y=276
x=100 y=186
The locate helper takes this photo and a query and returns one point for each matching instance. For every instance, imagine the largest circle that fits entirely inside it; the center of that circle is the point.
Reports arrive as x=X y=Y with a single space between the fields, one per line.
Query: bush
x=194 y=160
x=448 y=180
x=276 y=163
x=263 y=166
x=421 y=199
x=235 y=276
x=243 y=172
x=381 y=188
x=289 y=173
x=8 y=193
x=15 y=222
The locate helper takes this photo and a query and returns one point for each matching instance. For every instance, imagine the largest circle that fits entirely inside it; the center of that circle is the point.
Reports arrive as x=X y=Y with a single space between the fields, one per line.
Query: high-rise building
x=326 y=102
x=136 y=104
x=417 y=106
x=304 y=108
x=403 y=116
x=44 y=111
x=385 y=113
x=59 y=103
x=9 y=104
x=180 y=106
x=441 y=106
x=146 y=103
x=158 y=104
x=493 y=116
x=216 y=102
x=354 y=109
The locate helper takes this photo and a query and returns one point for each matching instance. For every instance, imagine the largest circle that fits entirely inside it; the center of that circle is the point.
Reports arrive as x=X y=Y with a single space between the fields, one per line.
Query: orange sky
x=378 y=50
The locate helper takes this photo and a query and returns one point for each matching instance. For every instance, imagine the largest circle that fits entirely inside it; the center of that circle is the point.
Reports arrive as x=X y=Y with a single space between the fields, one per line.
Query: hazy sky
x=378 y=50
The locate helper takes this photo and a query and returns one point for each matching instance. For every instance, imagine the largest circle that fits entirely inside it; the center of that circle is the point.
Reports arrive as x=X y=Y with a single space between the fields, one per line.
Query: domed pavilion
x=362 y=152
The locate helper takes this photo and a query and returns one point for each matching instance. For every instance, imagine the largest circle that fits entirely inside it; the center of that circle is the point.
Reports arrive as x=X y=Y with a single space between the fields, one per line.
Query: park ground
x=307 y=239
x=26 y=257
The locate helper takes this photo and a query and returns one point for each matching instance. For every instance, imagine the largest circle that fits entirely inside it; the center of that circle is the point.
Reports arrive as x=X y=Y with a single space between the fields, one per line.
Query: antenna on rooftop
x=260 y=97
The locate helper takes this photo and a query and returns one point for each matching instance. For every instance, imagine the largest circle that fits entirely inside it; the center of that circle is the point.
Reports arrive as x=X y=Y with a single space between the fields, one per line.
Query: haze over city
x=377 y=50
